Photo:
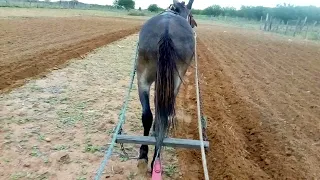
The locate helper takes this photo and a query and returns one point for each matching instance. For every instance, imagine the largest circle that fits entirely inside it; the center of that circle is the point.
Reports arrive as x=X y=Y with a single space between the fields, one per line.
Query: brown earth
x=31 y=46
x=59 y=127
x=261 y=97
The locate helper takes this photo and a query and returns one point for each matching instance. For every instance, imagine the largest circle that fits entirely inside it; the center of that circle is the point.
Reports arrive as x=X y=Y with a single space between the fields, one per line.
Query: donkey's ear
x=189 y=6
x=175 y=2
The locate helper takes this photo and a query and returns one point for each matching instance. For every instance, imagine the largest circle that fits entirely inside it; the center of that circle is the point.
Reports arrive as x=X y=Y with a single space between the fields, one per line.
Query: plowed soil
x=261 y=98
x=31 y=46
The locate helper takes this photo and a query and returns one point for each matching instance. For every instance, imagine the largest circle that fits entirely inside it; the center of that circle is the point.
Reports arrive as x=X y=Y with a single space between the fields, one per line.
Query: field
x=261 y=98
x=46 y=42
x=64 y=78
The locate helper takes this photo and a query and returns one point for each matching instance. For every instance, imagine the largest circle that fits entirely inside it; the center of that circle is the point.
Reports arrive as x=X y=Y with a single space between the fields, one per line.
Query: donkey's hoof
x=142 y=166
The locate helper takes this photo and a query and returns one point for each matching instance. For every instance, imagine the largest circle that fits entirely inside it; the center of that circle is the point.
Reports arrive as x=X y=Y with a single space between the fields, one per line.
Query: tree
x=153 y=8
x=252 y=12
x=284 y=12
x=208 y=11
x=196 y=11
x=229 y=11
x=73 y=3
x=116 y=4
x=214 y=10
x=127 y=4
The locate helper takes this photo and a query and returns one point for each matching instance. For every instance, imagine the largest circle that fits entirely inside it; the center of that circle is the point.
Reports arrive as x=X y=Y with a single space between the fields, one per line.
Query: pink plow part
x=157 y=171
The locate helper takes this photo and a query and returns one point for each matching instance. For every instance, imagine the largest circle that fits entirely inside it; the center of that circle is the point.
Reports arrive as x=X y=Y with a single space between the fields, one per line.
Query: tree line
x=283 y=12
x=54 y=4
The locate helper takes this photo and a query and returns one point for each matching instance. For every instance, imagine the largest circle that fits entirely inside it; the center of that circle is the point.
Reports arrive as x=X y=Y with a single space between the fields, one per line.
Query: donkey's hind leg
x=145 y=79
x=182 y=69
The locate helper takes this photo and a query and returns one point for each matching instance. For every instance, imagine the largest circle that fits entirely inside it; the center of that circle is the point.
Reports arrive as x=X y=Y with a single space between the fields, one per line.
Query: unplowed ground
x=31 y=46
x=261 y=97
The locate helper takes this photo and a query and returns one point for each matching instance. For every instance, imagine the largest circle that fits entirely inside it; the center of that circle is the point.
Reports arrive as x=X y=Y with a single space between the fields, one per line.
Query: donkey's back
x=177 y=28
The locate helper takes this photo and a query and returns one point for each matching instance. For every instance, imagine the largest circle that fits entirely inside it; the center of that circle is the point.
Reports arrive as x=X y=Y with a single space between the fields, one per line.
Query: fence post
x=295 y=30
x=304 y=23
x=270 y=23
x=279 y=24
x=306 y=35
x=266 y=22
x=287 y=26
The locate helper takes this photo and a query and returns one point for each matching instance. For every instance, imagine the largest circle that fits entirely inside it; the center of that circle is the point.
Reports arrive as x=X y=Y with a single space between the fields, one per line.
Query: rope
x=204 y=160
x=122 y=118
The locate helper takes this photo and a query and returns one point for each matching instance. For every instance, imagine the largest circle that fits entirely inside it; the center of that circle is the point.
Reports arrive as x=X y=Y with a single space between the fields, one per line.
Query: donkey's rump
x=179 y=30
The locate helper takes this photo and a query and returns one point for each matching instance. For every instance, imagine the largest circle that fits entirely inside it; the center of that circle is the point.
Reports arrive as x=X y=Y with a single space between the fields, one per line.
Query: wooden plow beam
x=170 y=142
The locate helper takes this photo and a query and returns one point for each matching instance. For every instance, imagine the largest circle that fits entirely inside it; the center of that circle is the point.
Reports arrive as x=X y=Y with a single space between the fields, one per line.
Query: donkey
x=191 y=20
x=166 y=49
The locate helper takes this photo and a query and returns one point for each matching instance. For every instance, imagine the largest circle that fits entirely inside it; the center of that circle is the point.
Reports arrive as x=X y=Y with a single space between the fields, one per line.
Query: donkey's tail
x=164 y=88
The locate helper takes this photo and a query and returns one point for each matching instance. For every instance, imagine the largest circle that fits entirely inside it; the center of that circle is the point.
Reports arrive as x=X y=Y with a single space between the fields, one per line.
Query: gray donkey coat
x=166 y=49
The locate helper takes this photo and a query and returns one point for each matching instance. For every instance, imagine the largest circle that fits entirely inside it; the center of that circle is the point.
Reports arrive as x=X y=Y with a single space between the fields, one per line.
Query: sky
x=201 y=4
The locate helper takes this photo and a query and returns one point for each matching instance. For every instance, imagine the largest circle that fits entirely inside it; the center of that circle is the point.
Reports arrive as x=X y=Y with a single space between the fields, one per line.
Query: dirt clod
x=65 y=159
x=118 y=170
x=26 y=165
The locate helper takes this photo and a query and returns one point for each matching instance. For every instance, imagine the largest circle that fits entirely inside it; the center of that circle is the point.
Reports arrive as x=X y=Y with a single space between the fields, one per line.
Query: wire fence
x=301 y=28
x=297 y=28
